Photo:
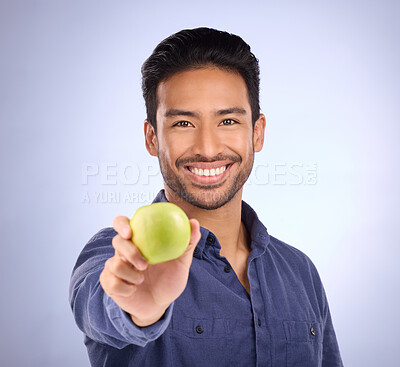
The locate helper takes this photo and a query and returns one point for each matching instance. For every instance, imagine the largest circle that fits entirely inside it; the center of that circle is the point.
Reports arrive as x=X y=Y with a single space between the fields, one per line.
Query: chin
x=209 y=199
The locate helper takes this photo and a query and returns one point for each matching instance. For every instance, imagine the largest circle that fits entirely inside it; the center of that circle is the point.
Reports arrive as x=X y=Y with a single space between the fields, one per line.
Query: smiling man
x=237 y=296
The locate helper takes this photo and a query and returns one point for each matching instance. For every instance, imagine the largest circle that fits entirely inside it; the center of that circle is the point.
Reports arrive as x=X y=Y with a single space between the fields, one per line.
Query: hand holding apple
x=145 y=291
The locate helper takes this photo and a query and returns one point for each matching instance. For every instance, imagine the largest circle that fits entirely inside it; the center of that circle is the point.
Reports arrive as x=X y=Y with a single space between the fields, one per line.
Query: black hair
x=199 y=48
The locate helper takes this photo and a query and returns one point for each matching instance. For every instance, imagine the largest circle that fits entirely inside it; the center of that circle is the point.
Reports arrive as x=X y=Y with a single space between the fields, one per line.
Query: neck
x=225 y=222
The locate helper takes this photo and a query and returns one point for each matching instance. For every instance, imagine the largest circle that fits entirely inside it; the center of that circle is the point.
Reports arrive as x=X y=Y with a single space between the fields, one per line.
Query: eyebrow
x=226 y=111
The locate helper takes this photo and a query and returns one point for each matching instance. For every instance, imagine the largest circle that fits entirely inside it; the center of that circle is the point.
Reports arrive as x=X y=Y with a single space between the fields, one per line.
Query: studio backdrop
x=73 y=156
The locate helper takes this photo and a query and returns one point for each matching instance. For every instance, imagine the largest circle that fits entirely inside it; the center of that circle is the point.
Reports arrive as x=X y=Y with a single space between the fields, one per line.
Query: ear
x=258 y=133
x=150 y=138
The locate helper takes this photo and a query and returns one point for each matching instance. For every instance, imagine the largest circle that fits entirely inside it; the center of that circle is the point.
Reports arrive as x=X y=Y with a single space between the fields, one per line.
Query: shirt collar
x=258 y=233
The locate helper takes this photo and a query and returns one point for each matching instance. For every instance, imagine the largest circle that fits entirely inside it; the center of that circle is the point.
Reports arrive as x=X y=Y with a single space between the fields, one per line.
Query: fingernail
x=142 y=263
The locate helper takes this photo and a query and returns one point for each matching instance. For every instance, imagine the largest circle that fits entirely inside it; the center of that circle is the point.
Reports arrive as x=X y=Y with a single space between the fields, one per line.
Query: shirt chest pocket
x=303 y=343
x=200 y=342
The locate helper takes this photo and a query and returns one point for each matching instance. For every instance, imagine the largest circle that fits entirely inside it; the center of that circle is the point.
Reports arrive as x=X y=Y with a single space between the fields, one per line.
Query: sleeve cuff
x=131 y=332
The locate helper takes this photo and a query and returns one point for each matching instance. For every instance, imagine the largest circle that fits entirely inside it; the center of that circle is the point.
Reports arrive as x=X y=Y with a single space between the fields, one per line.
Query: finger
x=124 y=270
x=194 y=239
x=128 y=251
x=121 y=225
x=195 y=232
x=194 y=236
x=114 y=286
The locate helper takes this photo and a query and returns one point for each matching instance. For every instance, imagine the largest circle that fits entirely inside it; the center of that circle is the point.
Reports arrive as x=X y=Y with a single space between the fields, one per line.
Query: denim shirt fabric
x=285 y=321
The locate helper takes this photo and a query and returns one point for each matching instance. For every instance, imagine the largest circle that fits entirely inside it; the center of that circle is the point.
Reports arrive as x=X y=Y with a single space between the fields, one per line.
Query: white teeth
x=208 y=172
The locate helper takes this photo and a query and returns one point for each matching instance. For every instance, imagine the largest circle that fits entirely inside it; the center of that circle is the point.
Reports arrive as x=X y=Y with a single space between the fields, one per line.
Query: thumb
x=194 y=237
x=195 y=233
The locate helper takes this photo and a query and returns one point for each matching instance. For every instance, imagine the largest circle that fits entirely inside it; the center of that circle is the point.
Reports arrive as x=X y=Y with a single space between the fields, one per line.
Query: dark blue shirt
x=284 y=321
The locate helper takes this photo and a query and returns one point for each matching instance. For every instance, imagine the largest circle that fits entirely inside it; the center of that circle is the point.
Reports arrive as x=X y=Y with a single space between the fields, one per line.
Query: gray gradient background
x=70 y=96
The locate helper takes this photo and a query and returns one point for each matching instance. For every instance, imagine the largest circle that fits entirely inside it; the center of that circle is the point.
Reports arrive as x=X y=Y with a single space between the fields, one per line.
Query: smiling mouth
x=208 y=172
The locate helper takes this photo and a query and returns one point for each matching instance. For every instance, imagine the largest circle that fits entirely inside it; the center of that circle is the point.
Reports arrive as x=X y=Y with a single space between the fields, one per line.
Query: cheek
x=171 y=149
x=241 y=144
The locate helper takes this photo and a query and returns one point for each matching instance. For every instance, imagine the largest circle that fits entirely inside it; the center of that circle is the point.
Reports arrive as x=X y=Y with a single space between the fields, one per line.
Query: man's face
x=205 y=141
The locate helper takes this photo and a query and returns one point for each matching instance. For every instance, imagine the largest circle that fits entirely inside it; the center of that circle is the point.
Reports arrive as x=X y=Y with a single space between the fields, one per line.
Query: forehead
x=203 y=90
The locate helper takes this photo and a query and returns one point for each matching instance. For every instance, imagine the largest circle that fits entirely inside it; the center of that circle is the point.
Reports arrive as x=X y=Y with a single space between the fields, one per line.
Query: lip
x=208 y=165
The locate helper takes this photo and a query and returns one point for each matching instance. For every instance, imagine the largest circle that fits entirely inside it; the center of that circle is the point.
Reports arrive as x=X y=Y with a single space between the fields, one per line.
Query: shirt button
x=210 y=239
x=199 y=329
x=227 y=268
x=312 y=331
x=259 y=322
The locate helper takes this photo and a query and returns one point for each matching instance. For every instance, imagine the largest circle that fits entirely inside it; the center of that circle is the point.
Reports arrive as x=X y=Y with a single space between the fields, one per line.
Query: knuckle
x=105 y=282
x=115 y=241
x=117 y=266
x=114 y=284
x=101 y=278
x=108 y=264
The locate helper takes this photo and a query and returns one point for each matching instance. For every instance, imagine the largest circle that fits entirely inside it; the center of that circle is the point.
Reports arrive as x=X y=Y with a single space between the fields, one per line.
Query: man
x=237 y=296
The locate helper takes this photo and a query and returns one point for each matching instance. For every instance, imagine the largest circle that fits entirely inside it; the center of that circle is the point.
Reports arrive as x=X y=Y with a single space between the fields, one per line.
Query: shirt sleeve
x=330 y=348
x=96 y=314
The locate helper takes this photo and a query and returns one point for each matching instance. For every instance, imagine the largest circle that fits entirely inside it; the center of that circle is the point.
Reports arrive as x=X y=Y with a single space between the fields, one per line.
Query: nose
x=207 y=142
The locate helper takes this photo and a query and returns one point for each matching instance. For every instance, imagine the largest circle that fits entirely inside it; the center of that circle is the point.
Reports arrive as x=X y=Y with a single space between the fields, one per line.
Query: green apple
x=161 y=231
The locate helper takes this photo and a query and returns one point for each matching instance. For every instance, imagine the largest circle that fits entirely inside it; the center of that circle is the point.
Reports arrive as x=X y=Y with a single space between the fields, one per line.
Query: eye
x=183 y=124
x=228 y=122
